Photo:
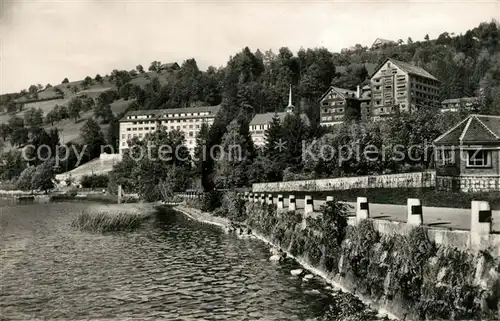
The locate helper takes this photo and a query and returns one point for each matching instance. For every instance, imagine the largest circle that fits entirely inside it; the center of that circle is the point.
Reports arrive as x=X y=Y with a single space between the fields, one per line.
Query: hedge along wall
x=406 y=180
x=408 y=273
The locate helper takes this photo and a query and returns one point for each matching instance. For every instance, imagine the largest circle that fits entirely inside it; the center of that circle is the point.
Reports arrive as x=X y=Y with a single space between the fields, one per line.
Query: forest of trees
x=258 y=81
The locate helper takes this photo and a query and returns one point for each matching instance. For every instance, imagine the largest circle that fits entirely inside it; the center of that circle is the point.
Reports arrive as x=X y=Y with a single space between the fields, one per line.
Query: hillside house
x=169 y=66
x=470 y=104
x=379 y=43
x=398 y=86
x=338 y=105
x=468 y=155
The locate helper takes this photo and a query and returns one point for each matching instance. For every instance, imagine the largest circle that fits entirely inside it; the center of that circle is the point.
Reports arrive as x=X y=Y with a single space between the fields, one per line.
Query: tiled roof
x=264 y=119
x=341 y=91
x=169 y=65
x=159 y=113
x=475 y=129
x=383 y=41
x=458 y=100
x=210 y=109
x=406 y=67
x=412 y=69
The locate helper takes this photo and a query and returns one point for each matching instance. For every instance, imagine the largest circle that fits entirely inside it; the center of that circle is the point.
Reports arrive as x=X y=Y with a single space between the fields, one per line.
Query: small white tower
x=290 y=108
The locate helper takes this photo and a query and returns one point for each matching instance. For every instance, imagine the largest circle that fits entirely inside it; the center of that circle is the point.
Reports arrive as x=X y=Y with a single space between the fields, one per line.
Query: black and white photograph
x=264 y=160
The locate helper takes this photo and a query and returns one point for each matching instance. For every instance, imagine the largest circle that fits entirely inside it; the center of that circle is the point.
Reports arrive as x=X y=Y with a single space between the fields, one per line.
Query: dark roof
x=383 y=41
x=264 y=119
x=159 y=113
x=210 y=109
x=346 y=93
x=459 y=100
x=406 y=67
x=475 y=129
x=169 y=65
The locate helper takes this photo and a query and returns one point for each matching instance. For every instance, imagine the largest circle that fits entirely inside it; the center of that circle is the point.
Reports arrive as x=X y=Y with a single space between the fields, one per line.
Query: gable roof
x=475 y=129
x=159 y=113
x=382 y=41
x=169 y=65
x=345 y=93
x=461 y=100
x=266 y=118
x=406 y=67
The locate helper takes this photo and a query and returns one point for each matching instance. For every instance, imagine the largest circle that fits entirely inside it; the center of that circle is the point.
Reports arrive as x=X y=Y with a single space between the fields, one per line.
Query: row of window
x=143 y=122
x=206 y=113
x=332 y=103
x=330 y=118
x=424 y=88
x=475 y=158
x=258 y=127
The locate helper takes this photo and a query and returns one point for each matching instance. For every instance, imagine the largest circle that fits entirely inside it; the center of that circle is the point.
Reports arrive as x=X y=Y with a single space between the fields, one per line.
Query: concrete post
x=119 y=194
x=309 y=204
x=362 y=208
x=255 y=198
x=480 y=217
x=292 y=206
x=245 y=198
x=415 y=213
x=281 y=203
x=269 y=198
x=329 y=198
x=262 y=198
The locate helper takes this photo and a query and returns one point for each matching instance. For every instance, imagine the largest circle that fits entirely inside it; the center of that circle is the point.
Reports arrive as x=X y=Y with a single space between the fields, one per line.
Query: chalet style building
x=171 y=66
x=379 y=43
x=398 y=86
x=338 y=105
x=468 y=155
x=470 y=104
x=260 y=122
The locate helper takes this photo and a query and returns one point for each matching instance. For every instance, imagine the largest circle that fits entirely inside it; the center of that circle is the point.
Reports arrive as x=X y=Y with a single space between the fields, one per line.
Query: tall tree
x=233 y=159
x=75 y=108
x=93 y=138
x=44 y=176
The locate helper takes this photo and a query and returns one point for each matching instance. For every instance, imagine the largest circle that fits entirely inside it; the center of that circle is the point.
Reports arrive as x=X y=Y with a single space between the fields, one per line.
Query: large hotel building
x=187 y=120
x=395 y=86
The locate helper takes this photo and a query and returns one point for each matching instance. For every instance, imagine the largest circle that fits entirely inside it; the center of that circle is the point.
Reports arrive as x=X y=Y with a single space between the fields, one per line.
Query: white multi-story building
x=187 y=120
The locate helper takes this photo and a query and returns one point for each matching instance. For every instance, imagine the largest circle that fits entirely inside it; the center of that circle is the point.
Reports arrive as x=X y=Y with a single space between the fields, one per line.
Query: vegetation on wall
x=429 y=281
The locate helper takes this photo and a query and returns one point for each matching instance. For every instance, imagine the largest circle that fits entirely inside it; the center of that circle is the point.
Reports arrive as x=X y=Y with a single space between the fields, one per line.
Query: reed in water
x=111 y=218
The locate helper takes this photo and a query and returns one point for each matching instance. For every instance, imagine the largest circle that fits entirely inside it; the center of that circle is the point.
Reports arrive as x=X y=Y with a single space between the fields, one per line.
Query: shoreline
x=221 y=222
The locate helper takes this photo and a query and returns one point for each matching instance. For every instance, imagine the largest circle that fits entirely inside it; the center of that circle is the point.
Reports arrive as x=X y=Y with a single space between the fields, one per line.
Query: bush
x=233 y=207
x=95 y=181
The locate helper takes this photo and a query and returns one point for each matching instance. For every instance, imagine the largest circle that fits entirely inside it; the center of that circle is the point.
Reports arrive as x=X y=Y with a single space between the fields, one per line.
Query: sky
x=46 y=41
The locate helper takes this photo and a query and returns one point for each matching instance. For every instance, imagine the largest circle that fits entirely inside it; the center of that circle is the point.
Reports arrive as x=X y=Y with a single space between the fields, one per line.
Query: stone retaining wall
x=468 y=184
x=406 y=180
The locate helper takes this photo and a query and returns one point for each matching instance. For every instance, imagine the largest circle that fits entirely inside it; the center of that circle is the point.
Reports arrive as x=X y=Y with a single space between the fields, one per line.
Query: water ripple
x=171 y=269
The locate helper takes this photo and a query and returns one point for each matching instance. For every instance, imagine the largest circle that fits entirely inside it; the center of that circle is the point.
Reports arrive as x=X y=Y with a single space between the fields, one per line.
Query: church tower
x=290 y=108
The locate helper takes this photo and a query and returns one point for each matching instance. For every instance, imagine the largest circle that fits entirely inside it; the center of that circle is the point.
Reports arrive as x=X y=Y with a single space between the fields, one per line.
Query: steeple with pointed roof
x=290 y=108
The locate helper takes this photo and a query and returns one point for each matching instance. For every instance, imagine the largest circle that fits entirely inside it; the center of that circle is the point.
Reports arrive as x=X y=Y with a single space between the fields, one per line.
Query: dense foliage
x=430 y=281
x=95 y=181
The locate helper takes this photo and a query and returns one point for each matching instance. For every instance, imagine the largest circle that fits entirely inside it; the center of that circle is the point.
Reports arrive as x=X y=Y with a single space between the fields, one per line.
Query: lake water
x=170 y=269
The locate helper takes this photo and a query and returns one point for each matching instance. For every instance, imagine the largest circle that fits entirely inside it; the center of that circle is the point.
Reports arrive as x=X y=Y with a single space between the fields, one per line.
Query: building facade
x=187 y=120
x=398 y=86
x=338 y=105
x=379 y=43
x=260 y=122
x=468 y=155
x=470 y=104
